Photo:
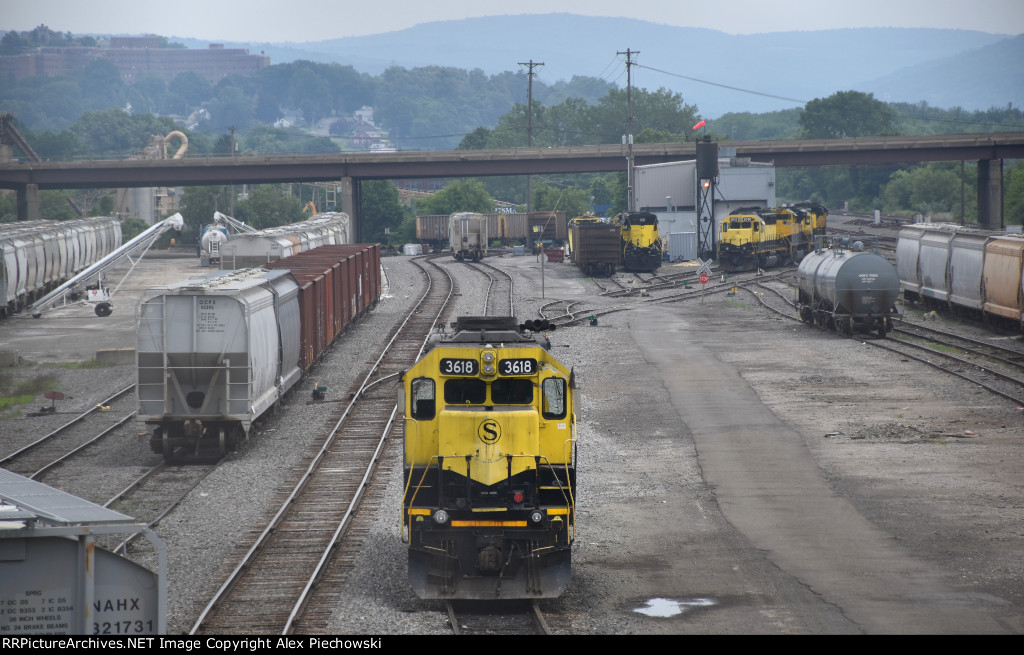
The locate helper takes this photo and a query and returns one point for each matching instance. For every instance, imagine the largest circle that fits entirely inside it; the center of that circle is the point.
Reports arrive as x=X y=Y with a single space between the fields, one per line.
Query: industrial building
x=670 y=191
x=136 y=57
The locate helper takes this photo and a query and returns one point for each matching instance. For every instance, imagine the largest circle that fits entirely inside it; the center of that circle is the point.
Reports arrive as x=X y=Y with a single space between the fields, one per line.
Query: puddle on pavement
x=664 y=607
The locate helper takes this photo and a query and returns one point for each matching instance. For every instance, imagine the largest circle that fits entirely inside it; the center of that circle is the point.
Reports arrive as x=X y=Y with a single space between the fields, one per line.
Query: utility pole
x=631 y=197
x=529 y=124
x=232 y=128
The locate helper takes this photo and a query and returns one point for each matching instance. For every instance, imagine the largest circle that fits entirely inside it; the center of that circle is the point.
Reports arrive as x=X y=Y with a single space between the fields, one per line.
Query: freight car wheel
x=104 y=309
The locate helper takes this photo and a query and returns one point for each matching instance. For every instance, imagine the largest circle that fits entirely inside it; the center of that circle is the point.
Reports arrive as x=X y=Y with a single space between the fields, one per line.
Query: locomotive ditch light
x=440 y=517
x=536 y=516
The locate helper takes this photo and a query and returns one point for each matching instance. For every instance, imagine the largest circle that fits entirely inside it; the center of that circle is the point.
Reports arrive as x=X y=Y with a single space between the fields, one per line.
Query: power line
x=724 y=86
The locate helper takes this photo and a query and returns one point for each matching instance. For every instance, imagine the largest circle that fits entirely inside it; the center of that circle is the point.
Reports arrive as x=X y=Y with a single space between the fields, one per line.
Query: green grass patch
x=735 y=303
x=15 y=392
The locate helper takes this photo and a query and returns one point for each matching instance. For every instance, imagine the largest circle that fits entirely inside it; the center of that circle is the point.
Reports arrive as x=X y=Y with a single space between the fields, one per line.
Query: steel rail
x=73 y=421
x=304 y=479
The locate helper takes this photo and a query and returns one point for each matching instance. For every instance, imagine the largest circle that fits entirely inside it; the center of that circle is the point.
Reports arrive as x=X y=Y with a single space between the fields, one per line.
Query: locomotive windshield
x=512 y=391
x=473 y=391
x=462 y=391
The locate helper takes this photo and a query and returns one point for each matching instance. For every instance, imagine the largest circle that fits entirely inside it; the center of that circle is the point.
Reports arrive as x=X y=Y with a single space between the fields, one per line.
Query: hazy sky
x=315 y=20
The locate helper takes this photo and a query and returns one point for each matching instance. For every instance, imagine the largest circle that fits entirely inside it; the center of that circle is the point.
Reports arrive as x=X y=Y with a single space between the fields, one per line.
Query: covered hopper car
x=38 y=256
x=976 y=273
x=490 y=453
x=467 y=236
x=216 y=352
x=257 y=248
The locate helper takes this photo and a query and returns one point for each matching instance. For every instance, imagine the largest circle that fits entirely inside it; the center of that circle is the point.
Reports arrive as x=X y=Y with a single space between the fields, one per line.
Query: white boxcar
x=214 y=353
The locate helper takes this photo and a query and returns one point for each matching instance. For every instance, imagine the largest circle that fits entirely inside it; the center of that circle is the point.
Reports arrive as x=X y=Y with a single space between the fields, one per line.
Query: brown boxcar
x=337 y=285
x=551 y=226
x=596 y=247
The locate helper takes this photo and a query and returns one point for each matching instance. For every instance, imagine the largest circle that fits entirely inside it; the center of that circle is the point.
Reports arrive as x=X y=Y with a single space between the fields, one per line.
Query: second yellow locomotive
x=754 y=237
x=490 y=464
x=641 y=243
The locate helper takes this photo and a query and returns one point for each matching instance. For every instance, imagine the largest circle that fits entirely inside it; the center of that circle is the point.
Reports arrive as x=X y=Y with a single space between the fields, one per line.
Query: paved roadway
x=74 y=333
x=772 y=491
x=707 y=498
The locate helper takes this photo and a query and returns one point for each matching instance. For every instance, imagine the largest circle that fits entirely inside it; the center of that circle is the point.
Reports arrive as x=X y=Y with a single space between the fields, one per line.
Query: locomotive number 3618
x=451 y=366
x=517 y=366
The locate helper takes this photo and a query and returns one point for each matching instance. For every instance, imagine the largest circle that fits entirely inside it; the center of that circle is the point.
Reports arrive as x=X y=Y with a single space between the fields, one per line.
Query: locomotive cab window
x=462 y=391
x=553 y=396
x=422 y=398
x=512 y=391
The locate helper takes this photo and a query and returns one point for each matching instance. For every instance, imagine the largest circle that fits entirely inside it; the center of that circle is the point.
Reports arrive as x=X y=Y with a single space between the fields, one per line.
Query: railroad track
x=686 y=292
x=72 y=438
x=981 y=369
x=497 y=618
x=495 y=302
x=275 y=585
x=156 y=493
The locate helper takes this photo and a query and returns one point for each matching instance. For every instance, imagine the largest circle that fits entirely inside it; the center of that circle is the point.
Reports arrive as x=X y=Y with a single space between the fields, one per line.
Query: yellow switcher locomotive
x=490 y=463
x=641 y=242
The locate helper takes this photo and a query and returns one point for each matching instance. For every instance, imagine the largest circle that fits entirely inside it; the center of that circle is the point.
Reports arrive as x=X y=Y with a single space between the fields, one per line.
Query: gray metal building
x=670 y=191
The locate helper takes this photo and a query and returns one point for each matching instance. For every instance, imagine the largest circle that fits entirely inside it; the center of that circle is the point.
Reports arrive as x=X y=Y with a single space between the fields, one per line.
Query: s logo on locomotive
x=489 y=431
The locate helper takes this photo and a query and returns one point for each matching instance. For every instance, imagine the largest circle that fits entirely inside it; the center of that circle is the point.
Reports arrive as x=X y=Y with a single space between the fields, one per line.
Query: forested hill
x=944 y=68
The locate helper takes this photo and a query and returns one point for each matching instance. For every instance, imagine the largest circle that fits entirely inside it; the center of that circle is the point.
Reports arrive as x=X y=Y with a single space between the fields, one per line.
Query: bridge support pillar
x=349 y=203
x=990 y=194
x=28 y=203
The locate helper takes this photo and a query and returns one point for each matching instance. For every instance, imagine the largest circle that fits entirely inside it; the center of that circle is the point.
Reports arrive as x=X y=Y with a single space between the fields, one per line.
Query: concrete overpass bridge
x=988 y=150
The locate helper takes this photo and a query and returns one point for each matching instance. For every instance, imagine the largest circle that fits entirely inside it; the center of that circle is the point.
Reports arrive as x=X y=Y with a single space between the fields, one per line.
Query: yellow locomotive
x=490 y=463
x=754 y=237
x=641 y=243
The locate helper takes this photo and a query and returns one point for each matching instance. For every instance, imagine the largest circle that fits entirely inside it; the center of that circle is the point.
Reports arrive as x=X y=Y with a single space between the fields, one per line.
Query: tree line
x=95 y=114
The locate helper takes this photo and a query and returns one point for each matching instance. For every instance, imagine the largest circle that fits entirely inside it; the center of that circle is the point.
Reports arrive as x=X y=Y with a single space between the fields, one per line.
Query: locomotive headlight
x=488 y=356
x=536 y=516
x=489 y=369
x=440 y=517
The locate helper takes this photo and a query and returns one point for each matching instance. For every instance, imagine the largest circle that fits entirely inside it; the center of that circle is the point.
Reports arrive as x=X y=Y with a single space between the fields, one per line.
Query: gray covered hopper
x=223 y=347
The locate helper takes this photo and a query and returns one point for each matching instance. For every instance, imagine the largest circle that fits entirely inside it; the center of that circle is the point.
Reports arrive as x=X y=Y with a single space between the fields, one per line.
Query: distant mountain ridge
x=945 y=68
